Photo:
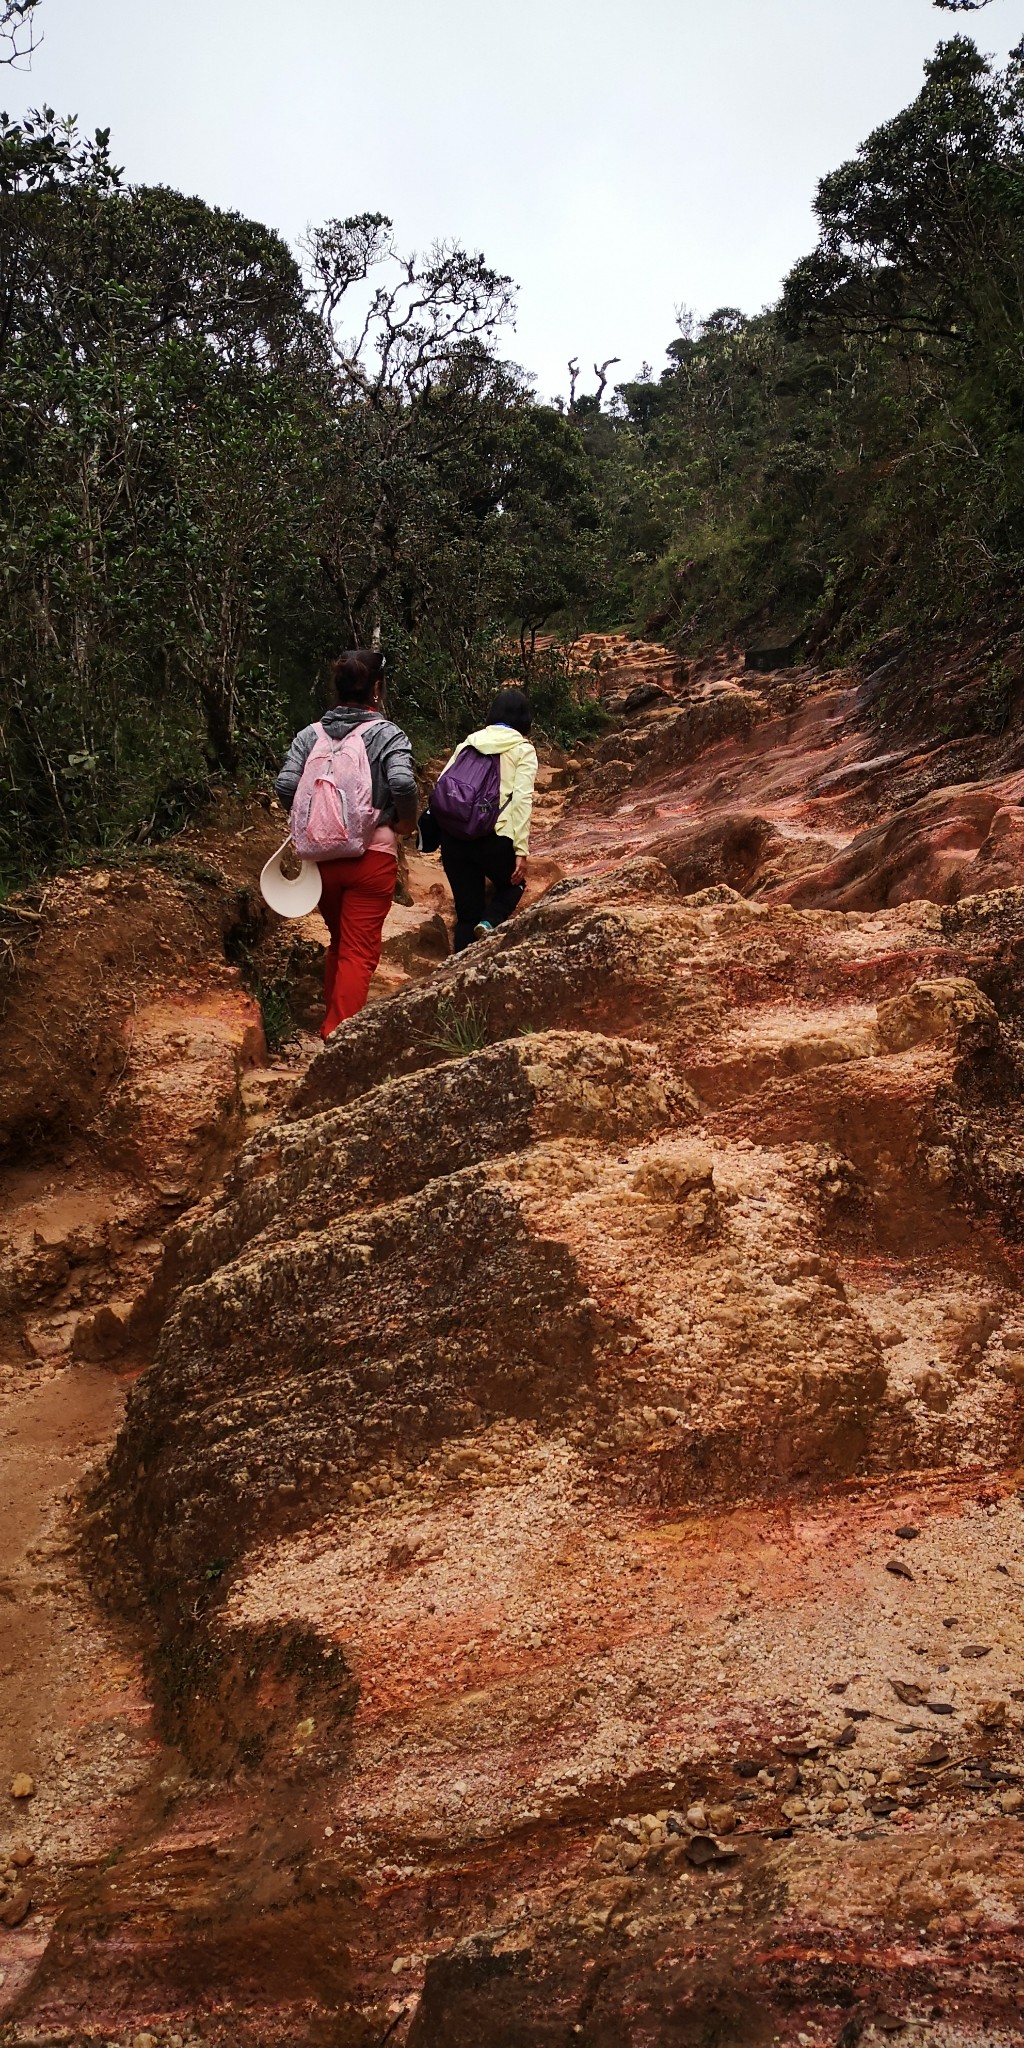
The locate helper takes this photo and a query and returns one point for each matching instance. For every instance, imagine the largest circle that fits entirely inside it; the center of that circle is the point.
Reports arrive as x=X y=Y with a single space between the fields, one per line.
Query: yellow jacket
x=518 y=775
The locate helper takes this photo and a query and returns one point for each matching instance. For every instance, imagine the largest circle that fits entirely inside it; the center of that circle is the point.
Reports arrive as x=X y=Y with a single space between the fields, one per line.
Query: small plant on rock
x=458 y=1033
x=275 y=1001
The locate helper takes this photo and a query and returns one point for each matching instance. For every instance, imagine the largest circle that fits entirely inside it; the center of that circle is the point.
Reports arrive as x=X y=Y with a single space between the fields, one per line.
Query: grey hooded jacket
x=389 y=752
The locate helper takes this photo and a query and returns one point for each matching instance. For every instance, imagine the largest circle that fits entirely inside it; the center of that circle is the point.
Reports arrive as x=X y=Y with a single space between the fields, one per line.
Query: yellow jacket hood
x=495 y=739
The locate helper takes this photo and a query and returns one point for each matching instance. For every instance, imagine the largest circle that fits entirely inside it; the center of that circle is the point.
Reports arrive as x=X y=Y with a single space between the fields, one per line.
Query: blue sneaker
x=483 y=930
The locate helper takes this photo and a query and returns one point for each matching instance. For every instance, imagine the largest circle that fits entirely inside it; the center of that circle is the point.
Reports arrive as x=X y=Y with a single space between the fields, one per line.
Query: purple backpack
x=467 y=797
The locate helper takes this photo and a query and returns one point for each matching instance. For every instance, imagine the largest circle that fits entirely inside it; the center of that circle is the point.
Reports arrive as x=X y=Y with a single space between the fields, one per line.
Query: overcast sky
x=617 y=157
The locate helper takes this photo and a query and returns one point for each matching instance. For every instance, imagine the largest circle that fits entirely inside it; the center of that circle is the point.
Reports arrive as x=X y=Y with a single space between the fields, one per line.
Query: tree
x=157 y=385
x=50 y=178
x=921 y=235
x=408 y=379
x=455 y=509
x=852 y=461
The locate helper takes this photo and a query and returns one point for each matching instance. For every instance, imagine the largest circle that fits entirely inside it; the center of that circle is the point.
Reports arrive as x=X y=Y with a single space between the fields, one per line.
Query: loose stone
x=17 y=1908
x=992 y=1714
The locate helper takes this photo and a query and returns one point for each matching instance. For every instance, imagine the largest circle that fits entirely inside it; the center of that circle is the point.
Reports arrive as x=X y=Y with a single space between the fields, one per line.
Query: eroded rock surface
x=127 y=1041
x=573 y=1510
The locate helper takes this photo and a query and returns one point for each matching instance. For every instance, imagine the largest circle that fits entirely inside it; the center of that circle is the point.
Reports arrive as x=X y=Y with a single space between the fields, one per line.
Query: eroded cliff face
x=573 y=1509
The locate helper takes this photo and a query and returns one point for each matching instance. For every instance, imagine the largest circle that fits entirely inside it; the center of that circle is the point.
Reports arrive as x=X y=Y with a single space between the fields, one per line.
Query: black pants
x=469 y=865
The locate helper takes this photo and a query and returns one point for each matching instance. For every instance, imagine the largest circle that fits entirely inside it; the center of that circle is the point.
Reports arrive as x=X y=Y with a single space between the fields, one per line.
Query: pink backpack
x=333 y=817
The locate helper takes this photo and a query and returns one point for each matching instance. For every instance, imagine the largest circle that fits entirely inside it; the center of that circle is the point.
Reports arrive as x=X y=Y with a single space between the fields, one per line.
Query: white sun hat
x=291 y=895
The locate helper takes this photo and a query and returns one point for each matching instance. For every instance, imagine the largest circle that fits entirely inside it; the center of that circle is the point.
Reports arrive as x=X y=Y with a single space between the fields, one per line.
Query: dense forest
x=222 y=459
x=851 y=461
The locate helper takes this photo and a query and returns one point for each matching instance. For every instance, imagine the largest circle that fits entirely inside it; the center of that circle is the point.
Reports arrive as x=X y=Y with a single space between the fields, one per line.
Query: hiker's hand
x=519 y=872
x=406 y=828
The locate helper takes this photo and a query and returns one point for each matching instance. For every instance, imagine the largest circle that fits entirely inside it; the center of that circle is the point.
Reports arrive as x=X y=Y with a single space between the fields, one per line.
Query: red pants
x=356 y=898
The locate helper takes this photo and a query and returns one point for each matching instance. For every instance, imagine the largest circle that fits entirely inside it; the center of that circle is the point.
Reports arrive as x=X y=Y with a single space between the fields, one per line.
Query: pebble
x=992 y=1714
x=976 y=1650
x=702 y=1851
x=17 y=1908
x=1012 y=1800
x=696 y=1817
x=910 y=1694
x=22 y=1855
x=22 y=1786
x=908 y=1533
x=722 y=1818
x=898 y=1569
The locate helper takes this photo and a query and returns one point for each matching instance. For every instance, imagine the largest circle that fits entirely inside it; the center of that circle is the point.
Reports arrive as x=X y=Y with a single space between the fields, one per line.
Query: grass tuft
x=457 y=1032
x=275 y=1001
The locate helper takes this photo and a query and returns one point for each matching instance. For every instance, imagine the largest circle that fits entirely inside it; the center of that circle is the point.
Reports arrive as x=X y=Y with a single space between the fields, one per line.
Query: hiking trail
x=528 y=1545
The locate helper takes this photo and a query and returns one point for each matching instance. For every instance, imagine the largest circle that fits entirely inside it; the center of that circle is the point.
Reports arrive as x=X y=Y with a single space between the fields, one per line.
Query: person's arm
x=295 y=760
x=520 y=810
x=400 y=776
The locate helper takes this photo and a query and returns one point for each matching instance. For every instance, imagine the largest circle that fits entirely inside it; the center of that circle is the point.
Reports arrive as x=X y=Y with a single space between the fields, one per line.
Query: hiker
x=348 y=783
x=481 y=807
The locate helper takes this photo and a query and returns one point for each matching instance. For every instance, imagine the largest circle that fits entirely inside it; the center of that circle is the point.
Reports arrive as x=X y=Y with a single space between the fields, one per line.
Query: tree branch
x=18 y=36
x=601 y=373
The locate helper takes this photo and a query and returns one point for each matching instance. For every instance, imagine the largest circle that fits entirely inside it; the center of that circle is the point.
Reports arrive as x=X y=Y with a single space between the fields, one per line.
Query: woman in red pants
x=357 y=894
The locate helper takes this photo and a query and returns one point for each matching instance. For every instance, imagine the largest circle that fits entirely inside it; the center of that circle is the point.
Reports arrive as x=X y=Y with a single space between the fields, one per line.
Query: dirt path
x=714 y=1537
x=783 y=788
x=79 y=1243
x=74 y=1718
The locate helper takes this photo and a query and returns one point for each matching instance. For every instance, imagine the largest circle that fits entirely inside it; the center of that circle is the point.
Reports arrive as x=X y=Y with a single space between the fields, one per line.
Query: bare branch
x=601 y=373
x=18 y=36
x=424 y=309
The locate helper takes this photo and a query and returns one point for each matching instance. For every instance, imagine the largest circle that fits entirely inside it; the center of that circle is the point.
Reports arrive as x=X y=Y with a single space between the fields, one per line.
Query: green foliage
x=565 y=708
x=458 y=1032
x=853 y=460
x=155 y=364
x=275 y=1001
x=205 y=492
x=437 y=704
x=455 y=508
x=216 y=470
